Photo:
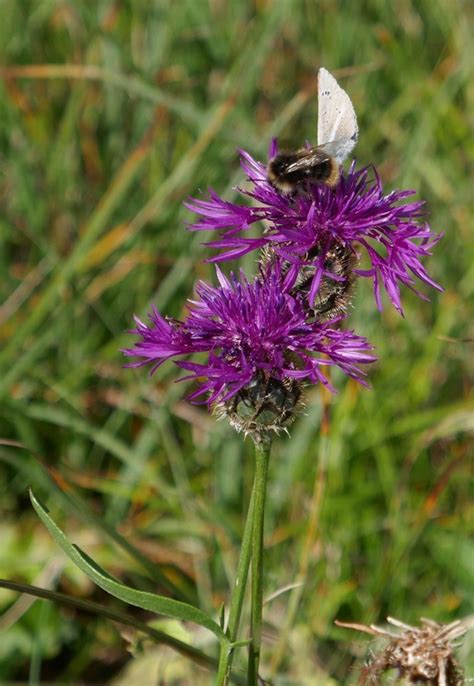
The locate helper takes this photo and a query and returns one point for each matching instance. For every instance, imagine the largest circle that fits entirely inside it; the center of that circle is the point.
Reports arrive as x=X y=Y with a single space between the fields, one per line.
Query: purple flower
x=248 y=331
x=302 y=228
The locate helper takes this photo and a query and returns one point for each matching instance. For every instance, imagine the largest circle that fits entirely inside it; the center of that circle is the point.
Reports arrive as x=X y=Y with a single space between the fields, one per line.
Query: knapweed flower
x=260 y=348
x=385 y=231
x=335 y=289
x=422 y=654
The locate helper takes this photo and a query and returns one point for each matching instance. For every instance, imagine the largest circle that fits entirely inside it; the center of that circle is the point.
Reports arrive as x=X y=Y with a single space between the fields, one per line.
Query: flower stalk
x=262 y=455
x=251 y=550
x=240 y=582
x=238 y=595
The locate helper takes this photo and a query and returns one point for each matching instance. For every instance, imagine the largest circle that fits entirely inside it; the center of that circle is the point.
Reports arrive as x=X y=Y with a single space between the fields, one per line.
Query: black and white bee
x=337 y=135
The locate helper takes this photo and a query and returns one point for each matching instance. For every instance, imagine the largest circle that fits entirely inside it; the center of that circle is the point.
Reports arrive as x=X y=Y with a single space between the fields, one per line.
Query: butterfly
x=337 y=135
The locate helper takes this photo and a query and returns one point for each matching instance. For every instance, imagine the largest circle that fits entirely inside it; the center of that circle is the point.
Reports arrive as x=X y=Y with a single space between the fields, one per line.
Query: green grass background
x=121 y=111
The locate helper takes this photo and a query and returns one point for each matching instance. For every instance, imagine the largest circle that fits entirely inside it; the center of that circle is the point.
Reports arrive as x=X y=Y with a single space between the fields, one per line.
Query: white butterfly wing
x=337 y=121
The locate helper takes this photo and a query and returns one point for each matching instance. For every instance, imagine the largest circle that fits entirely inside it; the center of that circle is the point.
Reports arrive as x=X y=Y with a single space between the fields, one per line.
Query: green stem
x=262 y=454
x=240 y=582
x=224 y=664
x=238 y=593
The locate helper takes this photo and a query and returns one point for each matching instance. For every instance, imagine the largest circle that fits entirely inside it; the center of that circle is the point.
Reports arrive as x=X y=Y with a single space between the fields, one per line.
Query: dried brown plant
x=421 y=655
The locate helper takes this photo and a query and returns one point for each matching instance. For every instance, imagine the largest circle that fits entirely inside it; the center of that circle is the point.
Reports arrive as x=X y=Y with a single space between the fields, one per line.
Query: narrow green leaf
x=39 y=472
x=147 y=601
x=93 y=608
x=117 y=616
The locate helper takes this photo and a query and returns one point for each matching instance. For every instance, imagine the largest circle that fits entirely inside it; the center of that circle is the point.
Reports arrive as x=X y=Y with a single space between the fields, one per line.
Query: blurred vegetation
x=112 y=113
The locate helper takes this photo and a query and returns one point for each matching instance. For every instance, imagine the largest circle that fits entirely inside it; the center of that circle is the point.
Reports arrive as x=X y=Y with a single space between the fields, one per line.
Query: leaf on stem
x=148 y=601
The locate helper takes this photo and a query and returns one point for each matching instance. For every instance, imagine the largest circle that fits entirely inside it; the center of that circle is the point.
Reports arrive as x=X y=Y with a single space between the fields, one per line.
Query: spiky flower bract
x=250 y=331
x=303 y=227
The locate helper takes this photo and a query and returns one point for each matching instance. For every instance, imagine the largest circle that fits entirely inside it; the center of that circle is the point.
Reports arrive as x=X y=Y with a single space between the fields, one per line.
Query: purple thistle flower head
x=385 y=231
x=252 y=333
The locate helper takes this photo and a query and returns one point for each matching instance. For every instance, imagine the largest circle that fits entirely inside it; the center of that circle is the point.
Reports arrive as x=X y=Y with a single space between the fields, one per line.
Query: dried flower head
x=305 y=227
x=421 y=655
x=261 y=346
